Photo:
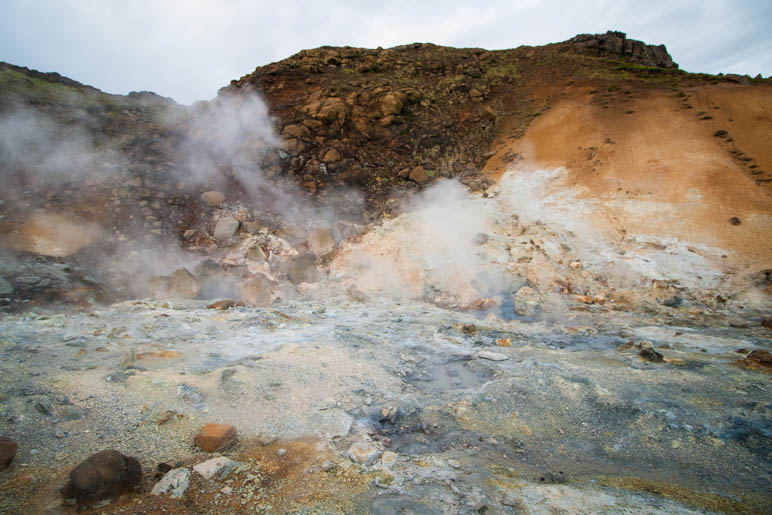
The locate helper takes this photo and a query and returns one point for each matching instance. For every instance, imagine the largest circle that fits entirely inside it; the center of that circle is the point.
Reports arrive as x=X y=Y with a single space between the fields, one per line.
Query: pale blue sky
x=189 y=49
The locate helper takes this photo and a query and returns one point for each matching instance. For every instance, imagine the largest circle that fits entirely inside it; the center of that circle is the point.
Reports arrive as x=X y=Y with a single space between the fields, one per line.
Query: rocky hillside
x=357 y=130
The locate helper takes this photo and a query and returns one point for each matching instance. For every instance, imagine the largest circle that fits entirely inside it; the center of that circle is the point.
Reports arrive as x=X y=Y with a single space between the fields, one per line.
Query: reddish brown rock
x=419 y=175
x=213 y=437
x=8 y=450
x=104 y=475
x=223 y=304
x=757 y=360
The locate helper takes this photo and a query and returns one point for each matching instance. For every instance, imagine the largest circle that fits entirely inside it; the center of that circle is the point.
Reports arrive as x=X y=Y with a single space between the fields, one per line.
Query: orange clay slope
x=657 y=162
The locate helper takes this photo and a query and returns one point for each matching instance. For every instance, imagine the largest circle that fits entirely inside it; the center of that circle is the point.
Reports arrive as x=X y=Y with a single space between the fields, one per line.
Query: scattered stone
x=158 y=287
x=251 y=227
x=672 y=302
x=767 y=322
x=419 y=175
x=221 y=467
x=183 y=284
x=757 y=359
x=329 y=466
x=492 y=356
x=175 y=483
x=321 y=242
x=392 y=104
x=8 y=450
x=303 y=269
x=222 y=305
x=331 y=156
x=281 y=452
x=267 y=439
x=188 y=234
x=158 y=354
x=70 y=413
x=649 y=354
x=190 y=394
x=503 y=342
x=735 y=221
x=468 y=328
x=213 y=437
x=45 y=406
x=480 y=238
x=5 y=286
x=527 y=302
x=226 y=228
x=166 y=416
x=256 y=254
x=454 y=463
x=363 y=452
x=356 y=294
x=213 y=198
x=103 y=475
x=257 y=291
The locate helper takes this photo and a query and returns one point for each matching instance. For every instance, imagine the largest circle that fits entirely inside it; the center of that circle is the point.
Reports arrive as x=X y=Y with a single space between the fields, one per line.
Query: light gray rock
x=221 y=467
x=492 y=356
x=226 y=228
x=175 y=483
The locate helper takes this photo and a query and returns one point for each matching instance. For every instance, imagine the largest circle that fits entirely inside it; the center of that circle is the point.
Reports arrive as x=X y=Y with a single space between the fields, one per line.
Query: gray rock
x=175 y=483
x=251 y=227
x=5 y=287
x=329 y=466
x=303 y=269
x=158 y=287
x=45 y=406
x=221 y=467
x=70 y=413
x=27 y=280
x=321 y=242
x=213 y=198
x=226 y=228
x=527 y=302
x=363 y=452
x=257 y=291
x=256 y=254
x=492 y=356
x=183 y=284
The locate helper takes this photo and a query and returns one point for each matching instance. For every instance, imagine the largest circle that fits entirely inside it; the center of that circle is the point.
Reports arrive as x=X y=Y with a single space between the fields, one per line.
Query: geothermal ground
x=413 y=280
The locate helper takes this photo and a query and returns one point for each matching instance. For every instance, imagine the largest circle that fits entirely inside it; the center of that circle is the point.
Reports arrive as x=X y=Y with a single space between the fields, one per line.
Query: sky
x=188 y=49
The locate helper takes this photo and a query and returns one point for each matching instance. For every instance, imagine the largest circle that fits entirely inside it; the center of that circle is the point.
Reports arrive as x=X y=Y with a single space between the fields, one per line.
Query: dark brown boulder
x=8 y=450
x=103 y=475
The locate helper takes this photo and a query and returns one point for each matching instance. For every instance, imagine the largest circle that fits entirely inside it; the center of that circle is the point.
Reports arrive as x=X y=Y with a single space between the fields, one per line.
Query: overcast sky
x=188 y=49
